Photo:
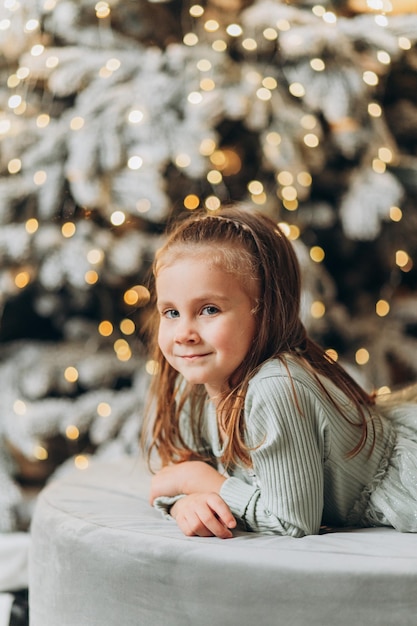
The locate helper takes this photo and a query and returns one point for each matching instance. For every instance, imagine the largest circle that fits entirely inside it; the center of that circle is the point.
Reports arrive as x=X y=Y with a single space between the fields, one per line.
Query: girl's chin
x=196 y=380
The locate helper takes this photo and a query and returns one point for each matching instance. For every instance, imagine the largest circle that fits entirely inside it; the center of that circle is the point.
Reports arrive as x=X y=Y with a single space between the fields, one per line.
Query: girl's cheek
x=161 y=337
x=164 y=337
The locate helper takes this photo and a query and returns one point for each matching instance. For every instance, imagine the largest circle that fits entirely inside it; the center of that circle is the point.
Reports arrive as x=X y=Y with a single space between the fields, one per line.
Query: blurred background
x=115 y=118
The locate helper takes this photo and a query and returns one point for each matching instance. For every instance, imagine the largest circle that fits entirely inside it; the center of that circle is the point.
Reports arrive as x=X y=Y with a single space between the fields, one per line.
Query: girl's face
x=206 y=321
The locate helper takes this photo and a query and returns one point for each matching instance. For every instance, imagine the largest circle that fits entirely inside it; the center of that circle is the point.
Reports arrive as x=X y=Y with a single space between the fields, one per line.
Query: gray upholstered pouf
x=101 y=556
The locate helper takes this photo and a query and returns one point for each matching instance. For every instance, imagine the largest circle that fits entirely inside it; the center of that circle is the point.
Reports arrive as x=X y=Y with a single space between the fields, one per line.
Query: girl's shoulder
x=280 y=370
x=280 y=391
x=287 y=375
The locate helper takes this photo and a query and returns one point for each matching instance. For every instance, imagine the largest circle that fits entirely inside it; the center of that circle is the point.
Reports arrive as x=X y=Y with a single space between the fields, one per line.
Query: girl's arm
x=286 y=495
x=185 y=478
x=190 y=490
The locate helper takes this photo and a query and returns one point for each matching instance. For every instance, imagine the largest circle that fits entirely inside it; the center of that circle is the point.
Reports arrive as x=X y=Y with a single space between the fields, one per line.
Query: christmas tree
x=116 y=117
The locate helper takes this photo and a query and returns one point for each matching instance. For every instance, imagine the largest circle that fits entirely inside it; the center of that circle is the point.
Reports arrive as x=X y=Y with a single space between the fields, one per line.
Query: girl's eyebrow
x=211 y=297
x=164 y=305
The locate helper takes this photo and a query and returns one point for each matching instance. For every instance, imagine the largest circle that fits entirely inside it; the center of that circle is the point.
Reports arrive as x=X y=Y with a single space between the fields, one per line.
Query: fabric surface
x=101 y=556
x=301 y=476
x=393 y=500
x=14 y=549
x=6 y=602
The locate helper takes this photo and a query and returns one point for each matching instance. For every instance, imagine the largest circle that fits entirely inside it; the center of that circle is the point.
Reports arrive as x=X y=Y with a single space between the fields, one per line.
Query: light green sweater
x=300 y=478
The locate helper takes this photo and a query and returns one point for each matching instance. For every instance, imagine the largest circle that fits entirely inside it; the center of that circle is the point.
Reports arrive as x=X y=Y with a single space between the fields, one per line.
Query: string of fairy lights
x=291 y=187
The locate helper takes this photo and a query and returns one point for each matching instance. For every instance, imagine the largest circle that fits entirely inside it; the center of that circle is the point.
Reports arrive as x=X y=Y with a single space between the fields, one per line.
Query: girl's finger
x=204 y=523
x=222 y=511
x=214 y=523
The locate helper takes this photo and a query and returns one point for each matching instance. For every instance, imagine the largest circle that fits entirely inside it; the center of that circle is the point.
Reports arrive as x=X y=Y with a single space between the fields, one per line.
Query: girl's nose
x=186 y=333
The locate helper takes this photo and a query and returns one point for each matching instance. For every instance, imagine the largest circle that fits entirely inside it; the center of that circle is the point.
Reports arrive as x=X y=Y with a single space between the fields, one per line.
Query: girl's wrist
x=172 y=509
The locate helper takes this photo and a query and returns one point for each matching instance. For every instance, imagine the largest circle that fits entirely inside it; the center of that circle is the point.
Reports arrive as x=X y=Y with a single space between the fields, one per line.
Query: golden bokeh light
x=249 y=44
x=317 y=309
x=102 y=10
x=138 y=295
x=395 y=214
x=191 y=202
x=14 y=166
x=127 y=326
x=212 y=203
x=227 y=161
x=362 y=356
x=211 y=26
x=68 y=229
x=374 y=109
x=289 y=193
x=255 y=187
x=77 y=123
x=71 y=374
x=40 y=453
x=190 y=39
x=382 y=308
x=72 y=432
x=95 y=256
x=317 y=254
x=22 y=279
x=297 y=90
x=152 y=367
x=81 y=462
x=103 y=409
x=196 y=10
x=91 y=277
x=285 y=178
x=402 y=258
x=40 y=177
x=332 y=354
x=214 y=177
x=105 y=328
x=122 y=350
x=270 y=34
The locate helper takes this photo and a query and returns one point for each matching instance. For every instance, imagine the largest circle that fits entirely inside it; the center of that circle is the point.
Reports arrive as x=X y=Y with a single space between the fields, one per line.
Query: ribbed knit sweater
x=301 y=477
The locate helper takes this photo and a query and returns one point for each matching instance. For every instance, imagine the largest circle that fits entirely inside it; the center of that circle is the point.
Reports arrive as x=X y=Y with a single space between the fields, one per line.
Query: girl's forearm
x=201 y=477
x=186 y=478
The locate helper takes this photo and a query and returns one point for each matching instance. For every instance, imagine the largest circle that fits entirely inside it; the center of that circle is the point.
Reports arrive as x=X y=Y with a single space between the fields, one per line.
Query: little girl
x=254 y=423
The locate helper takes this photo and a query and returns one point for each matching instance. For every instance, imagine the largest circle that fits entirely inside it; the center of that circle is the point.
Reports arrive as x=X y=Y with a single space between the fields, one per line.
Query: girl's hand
x=203 y=515
x=185 y=478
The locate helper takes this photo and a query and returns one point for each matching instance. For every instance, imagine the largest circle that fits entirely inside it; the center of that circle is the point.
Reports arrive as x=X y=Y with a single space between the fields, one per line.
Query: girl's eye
x=171 y=314
x=209 y=310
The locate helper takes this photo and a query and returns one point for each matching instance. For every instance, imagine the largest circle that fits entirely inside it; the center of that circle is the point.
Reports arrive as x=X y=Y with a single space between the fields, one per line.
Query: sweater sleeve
x=286 y=496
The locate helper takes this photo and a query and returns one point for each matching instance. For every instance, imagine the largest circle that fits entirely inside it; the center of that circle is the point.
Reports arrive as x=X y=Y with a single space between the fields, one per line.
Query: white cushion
x=101 y=556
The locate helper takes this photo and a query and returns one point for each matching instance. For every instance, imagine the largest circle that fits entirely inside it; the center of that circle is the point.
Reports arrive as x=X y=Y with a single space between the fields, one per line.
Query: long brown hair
x=251 y=246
